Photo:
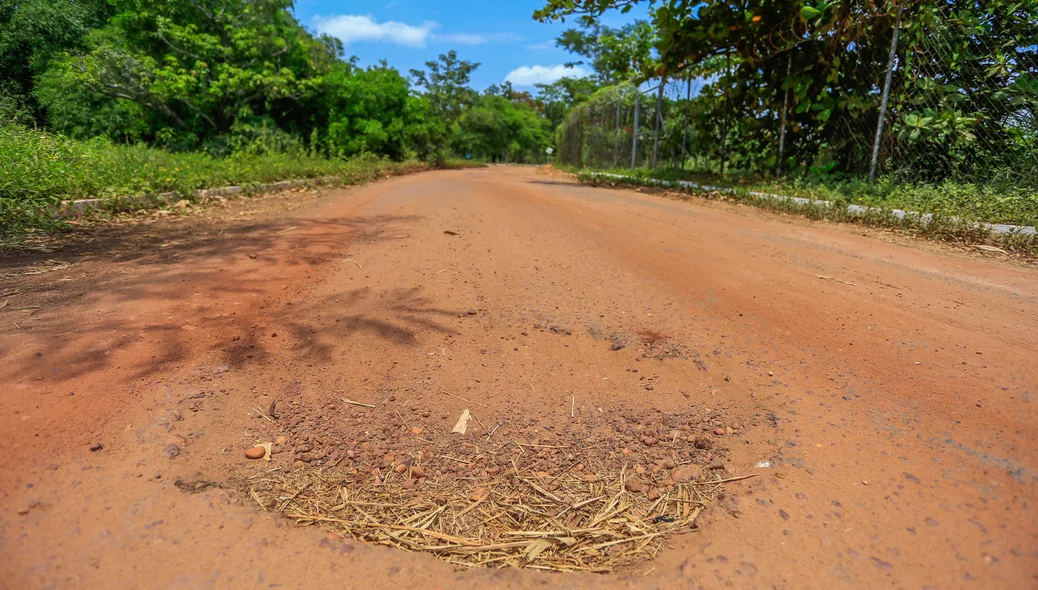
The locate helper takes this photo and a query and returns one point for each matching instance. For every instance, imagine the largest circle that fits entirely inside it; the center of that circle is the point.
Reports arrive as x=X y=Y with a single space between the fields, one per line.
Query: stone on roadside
x=686 y=473
x=634 y=484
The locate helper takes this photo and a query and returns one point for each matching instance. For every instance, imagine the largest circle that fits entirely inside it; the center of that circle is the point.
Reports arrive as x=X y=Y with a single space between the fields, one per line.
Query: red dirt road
x=884 y=393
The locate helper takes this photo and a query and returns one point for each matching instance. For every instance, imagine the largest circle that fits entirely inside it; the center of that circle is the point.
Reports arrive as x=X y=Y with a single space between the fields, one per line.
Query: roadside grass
x=39 y=170
x=991 y=202
x=954 y=225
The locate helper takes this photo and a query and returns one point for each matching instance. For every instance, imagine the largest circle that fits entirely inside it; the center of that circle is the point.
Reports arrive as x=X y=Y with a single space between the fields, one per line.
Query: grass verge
x=994 y=203
x=39 y=170
x=941 y=226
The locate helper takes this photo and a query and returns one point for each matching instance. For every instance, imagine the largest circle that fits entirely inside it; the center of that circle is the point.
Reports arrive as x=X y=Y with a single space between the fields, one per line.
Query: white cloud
x=476 y=38
x=530 y=75
x=350 y=28
x=540 y=46
x=462 y=38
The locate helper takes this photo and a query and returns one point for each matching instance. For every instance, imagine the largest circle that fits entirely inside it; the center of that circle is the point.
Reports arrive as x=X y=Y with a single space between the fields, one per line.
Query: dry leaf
x=533 y=550
x=266 y=446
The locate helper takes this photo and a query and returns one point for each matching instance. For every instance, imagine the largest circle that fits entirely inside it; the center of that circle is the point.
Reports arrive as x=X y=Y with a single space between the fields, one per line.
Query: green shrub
x=39 y=170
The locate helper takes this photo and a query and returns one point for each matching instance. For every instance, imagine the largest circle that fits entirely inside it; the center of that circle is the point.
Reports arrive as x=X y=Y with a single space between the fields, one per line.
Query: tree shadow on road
x=182 y=281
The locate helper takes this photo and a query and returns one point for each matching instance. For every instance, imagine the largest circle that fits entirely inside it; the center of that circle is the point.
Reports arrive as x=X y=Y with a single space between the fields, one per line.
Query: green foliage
x=556 y=99
x=368 y=112
x=41 y=169
x=498 y=129
x=963 y=105
x=224 y=77
x=32 y=32
x=195 y=67
x=615 y=55
x=446 y=85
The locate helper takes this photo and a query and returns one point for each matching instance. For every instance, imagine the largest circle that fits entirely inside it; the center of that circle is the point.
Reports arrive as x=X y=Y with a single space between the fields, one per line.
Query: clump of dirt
x=589 y=493
x=549 y=170
x=657 y=345
x=373 y=439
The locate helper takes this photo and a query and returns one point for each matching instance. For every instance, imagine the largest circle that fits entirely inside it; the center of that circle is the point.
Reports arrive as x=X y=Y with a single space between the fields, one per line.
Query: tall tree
x=446 y=84
x=32 y=33
x=203 y=66
x=614 y=55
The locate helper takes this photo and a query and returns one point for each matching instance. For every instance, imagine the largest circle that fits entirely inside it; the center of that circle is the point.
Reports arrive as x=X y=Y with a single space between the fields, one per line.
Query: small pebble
x=94 y=447
x=255 y=453
x=170 y=451
x=281 y=441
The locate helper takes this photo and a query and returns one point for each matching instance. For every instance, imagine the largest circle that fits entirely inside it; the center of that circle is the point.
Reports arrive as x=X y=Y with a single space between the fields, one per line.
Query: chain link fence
x=945 y=94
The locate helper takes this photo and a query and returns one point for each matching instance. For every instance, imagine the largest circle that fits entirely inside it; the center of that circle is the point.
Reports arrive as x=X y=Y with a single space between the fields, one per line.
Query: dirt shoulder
x=881 y=393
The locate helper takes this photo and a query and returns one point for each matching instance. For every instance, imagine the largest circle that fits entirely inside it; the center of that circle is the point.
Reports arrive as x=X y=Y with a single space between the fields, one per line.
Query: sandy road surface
x=891 y=390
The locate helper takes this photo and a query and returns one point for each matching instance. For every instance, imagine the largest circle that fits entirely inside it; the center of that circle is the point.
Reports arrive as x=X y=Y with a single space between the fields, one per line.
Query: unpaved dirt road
x=884 y=393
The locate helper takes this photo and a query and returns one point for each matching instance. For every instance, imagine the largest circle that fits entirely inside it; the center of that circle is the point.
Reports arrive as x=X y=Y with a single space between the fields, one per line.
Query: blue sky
x=501 y=35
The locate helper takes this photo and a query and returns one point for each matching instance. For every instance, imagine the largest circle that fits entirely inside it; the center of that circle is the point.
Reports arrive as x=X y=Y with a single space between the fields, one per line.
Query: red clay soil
x=884 y=393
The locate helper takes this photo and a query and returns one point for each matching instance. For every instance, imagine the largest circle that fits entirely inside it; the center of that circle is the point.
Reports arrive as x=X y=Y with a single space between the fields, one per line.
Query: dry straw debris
x=574 y=521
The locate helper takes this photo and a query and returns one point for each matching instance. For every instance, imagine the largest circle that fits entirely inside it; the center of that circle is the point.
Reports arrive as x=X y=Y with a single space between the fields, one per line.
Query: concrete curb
x=998 y=228
x=81 y=207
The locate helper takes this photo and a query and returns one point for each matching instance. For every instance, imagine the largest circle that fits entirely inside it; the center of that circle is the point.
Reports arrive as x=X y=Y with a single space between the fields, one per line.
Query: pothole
x=588 y=495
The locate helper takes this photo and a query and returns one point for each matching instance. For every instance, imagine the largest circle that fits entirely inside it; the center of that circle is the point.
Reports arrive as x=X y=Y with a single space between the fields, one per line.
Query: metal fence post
x=684 y=134
x=782 y=125
x=724 y=123
x=616 y=134
x=634 y=134
x=659 y=118
x=886 y=97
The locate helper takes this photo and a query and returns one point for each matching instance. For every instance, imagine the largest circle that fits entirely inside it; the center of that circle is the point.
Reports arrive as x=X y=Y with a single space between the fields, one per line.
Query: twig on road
x=825 y=278
x=463 y=399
